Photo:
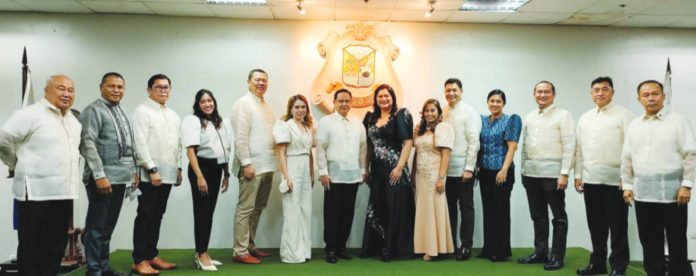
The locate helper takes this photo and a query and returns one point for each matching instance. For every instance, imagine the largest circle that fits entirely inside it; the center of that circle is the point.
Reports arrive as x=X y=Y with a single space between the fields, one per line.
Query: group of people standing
x=418 y=211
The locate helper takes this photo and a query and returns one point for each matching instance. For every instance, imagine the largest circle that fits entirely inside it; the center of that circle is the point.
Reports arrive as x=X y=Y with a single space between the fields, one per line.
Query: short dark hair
x=155 y=77
x=601 y=80
x=455 y=81
x=342 y=90
x=553 y=87
x=111 y=74
x=251 y=73
x=662 y=88
x=497 y=92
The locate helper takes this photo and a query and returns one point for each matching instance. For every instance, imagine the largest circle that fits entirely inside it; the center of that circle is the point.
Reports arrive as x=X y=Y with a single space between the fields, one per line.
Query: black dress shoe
x=617 y=273
x=343 y=254
x=385 y=257
x=533 y=259
x=554 y=264
x=591 y=269
x=111 y=272
x=331 y=257
x=495 y=259
x=463 y=254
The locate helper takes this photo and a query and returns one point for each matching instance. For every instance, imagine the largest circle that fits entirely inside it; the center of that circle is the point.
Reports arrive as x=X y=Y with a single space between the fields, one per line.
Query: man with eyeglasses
x=599 y=137
x=107 y=146
x=254 y=163
x=40 y=144
x=156 y=131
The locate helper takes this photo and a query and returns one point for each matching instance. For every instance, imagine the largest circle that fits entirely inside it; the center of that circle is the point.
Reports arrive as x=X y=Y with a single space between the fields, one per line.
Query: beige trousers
x=253 y=196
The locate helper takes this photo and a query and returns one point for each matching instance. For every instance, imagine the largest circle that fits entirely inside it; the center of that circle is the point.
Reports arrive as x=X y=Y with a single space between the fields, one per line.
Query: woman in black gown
x=391 y=209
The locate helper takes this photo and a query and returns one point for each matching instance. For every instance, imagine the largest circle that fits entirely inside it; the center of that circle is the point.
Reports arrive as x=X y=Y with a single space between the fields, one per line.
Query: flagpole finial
x=24 y=56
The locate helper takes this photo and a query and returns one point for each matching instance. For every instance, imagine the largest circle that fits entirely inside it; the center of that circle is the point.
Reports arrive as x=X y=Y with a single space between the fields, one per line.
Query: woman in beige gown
x=433 y=142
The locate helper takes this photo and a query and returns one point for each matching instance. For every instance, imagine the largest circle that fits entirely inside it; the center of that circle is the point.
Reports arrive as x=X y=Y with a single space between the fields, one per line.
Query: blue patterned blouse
x=494 y=137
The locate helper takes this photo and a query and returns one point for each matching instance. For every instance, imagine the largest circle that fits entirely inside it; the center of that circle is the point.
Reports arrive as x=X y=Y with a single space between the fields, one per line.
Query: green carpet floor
x=575 y=258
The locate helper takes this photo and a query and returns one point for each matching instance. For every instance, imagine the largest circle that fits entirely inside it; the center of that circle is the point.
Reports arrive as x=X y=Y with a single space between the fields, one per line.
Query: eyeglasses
x=161 y=88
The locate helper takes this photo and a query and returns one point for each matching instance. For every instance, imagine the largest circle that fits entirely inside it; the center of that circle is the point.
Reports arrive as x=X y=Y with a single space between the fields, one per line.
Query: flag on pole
x=27 y=99
x=668 y=87
x=27 y=87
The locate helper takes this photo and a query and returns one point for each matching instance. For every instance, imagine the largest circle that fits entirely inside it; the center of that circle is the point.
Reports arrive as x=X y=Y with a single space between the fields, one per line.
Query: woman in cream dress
x=294 y=137
x=433 y=142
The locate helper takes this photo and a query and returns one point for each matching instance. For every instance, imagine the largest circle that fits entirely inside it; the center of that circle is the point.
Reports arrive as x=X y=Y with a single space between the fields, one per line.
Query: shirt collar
x=455 y=104
x=499 y=117
x=256 y=98
x=108 y=103
x=547 y=109
x=52 y=107
x=341 y=117
x=606 y=108
x=155 y=104
x=659 y=116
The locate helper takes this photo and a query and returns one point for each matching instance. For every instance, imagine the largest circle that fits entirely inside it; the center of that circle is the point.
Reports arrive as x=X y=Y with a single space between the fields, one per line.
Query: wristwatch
x=153 y=170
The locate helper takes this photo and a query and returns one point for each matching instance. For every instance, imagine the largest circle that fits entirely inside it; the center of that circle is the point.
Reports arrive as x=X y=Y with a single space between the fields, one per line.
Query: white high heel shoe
x=215 y=262
x=203 y=267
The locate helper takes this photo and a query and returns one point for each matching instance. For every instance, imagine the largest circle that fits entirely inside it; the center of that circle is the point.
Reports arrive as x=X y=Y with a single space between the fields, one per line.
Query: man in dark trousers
x=108 y=148
x=341 y=152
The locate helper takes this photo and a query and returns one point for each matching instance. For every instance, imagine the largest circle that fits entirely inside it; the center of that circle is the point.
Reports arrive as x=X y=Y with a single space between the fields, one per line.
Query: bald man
x=40 y=144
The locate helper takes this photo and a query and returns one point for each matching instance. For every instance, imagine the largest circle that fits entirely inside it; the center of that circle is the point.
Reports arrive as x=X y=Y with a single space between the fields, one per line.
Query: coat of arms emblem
x=358 y=66
x=357 y=60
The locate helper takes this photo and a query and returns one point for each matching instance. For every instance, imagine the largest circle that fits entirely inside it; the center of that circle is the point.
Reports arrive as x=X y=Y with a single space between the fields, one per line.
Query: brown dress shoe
x=144 y=268
x=246 y=259
x=258 y=253
x=160 y=264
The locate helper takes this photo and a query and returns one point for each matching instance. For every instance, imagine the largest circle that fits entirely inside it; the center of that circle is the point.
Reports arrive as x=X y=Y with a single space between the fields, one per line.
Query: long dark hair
x=214 y=118
x=376 y=111
x=308 y=121
x=423 y=126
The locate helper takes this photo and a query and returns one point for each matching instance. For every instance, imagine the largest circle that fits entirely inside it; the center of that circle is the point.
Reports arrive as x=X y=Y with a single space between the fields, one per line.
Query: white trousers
x=295 y=240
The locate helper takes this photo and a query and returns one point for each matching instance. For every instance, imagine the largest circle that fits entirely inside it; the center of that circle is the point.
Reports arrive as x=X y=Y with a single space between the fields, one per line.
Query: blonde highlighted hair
x=308 y=120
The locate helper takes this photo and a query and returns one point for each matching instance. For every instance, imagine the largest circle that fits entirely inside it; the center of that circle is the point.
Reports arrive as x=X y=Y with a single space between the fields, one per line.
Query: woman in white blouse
x=207 y=141
x=294 y=136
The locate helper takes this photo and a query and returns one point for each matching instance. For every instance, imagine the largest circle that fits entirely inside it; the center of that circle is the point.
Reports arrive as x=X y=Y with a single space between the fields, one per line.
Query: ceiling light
x=301 y=9
x=431 y=4
x=238 y=2
x=493 y=5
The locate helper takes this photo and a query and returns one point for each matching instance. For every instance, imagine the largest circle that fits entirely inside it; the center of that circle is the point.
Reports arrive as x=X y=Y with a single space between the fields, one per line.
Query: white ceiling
x=620 y=13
